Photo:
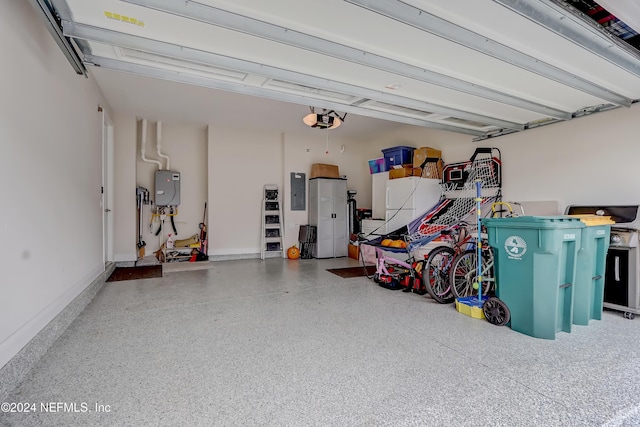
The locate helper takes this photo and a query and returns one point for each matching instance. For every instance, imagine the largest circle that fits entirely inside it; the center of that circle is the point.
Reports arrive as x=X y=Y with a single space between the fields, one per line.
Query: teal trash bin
x=535 y=266
x=588 y=294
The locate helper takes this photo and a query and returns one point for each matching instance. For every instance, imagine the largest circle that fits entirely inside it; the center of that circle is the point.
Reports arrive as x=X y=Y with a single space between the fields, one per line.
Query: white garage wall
x=304 y=149
x=186 y=146
x=587 y=160
x=51 y=174
x=124 y=205
x=591 y=160
x=240 y=163
x=228 y=168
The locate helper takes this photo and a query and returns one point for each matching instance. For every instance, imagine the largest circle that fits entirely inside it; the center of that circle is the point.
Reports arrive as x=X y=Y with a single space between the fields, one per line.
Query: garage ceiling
x=484 y=67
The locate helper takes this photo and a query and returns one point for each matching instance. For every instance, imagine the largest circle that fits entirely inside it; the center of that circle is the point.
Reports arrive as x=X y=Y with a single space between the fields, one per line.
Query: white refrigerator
x=409 y=197
x=378 y=194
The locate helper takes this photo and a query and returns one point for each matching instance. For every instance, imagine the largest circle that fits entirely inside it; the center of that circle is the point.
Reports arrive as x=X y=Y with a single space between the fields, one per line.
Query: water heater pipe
x=143 y=146
x=159 y=145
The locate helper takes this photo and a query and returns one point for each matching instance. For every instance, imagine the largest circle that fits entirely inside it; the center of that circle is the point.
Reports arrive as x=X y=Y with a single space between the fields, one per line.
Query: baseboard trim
x=230 y=257
x=17 y=368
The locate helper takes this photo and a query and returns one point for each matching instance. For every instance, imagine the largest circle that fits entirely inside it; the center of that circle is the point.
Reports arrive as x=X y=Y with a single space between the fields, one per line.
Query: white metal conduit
x=143 y=146
x=159 y=144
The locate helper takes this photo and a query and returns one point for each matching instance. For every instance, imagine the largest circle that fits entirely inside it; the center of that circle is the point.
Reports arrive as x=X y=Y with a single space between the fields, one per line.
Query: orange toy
x=293 y=252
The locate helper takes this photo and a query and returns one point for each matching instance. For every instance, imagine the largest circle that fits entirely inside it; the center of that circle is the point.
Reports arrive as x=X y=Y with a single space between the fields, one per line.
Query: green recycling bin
x=535 y=267
x=588 y=293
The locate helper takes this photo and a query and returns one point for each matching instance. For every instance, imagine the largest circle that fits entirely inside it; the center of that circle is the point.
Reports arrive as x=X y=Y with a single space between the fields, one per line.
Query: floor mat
x=132 y=273
x=348 y=272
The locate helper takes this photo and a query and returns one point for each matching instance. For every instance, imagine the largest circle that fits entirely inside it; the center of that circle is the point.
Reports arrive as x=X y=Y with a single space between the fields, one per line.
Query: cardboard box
x=354 y=251
x=419 y=154
x=406 y=170
x=321 y=170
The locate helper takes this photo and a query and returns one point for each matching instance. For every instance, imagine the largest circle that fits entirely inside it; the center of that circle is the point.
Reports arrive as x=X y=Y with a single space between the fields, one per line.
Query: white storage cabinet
x=328 y=212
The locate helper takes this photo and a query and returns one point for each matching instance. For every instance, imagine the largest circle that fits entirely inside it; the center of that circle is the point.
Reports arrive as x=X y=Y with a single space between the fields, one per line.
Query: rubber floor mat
x=133 y=273
x=349 y=272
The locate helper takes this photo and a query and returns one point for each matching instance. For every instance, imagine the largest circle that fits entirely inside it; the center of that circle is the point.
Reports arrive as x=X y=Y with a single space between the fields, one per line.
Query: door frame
x=107 y=186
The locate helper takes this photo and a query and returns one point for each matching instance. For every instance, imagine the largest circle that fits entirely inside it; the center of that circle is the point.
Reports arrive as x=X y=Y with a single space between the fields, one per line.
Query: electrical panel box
x=298 y=194
x=167 y=188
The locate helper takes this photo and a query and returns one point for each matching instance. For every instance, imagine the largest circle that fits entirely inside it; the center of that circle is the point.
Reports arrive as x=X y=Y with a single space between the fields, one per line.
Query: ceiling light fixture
x=324 y=120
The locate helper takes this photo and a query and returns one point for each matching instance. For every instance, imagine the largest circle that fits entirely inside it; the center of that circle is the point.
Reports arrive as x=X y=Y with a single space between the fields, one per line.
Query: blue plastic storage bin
x=397 y=156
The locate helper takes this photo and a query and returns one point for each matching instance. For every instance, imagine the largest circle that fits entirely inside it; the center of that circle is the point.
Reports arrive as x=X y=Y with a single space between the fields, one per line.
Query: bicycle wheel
x=436 y=274
x=463 y=274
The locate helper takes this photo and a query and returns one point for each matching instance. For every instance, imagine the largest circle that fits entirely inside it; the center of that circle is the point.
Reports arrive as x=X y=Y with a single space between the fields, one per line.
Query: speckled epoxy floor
x=281 y=342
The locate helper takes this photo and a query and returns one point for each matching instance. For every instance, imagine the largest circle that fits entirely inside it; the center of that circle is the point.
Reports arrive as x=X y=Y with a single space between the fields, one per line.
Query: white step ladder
x=271 y=222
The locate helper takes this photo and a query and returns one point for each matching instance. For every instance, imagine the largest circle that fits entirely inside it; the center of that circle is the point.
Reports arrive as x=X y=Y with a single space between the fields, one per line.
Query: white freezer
x=398 y=218
x=378 y=194
x=401 y=195
x=404 y=204
x=373 y=228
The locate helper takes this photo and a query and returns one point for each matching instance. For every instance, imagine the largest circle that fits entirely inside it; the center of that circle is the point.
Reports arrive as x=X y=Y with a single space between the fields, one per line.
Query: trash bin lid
x=542 y=222
x=593 y=220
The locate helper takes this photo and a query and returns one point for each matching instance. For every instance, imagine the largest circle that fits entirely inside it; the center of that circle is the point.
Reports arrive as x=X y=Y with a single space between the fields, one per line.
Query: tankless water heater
x=167 y=188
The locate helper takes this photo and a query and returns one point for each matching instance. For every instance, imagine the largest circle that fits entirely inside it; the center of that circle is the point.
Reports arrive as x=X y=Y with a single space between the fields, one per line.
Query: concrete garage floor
x=281 y=342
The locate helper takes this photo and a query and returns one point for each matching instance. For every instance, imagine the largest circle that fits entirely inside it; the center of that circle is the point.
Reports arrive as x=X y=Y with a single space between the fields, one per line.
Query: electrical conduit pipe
x=143 y=146
x=159 y=144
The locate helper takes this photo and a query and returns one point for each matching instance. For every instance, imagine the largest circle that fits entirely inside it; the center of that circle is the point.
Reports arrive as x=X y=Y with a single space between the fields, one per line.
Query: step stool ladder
x=271 y=222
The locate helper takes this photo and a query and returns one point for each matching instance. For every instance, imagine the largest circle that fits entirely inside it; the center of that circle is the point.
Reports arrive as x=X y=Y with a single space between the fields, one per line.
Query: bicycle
x=465 y=278
x=392 y=273
x=445 y=284
x=463 y=274
x=436 y=275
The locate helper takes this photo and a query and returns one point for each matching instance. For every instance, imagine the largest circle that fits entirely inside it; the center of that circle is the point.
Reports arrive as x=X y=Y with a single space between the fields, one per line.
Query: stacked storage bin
x=397 y=156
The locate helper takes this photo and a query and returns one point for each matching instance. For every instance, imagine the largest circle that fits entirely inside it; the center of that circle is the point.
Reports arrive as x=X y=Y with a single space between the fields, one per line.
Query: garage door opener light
x=325 y=120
